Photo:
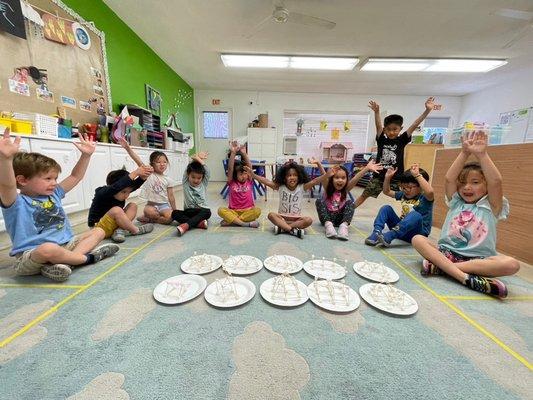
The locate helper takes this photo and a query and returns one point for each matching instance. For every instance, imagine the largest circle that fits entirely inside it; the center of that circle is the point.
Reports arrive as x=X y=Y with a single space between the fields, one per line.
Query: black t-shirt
x=390 y=153
x=104 y=199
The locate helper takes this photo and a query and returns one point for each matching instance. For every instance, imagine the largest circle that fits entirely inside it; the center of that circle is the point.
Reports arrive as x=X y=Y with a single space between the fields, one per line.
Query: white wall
x=486 y=105
x=275 y=103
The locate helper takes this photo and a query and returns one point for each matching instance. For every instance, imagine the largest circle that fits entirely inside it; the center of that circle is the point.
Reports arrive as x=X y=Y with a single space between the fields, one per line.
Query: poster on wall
x=85 y=106
x=58 y=30
x=44 y=94
x=335 y=134
x=11 y=18
x=19 y=87
x=153 y=100
x=68 y=102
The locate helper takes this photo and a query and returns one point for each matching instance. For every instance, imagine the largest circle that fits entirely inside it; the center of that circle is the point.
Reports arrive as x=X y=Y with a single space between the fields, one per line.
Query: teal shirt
x=195 y=196
x=470 y=229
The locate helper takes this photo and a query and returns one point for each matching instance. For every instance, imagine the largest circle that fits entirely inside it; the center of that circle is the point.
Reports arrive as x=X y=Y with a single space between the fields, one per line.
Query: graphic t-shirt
x=241 y=195
x=470 y=229
x=390 y=153
x=290 y=201
x=32 y=221
x=155 y=188
x=335 y=202
x=420 y=204
x=195 y=196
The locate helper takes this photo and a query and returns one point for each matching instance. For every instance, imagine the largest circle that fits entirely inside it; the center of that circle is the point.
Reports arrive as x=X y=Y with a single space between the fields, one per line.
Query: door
x=216 y=130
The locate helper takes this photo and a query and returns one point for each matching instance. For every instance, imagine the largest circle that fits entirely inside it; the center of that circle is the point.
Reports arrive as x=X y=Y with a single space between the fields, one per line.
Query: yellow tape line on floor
x=53 y=309
x=41 y=286
x=459 y=312
x=510 y=298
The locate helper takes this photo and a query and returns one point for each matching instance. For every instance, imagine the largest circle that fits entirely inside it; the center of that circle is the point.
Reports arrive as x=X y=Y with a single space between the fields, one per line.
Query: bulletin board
x=72 y=71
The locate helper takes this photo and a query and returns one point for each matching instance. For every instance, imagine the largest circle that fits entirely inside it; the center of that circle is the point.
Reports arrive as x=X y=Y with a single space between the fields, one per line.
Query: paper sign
x=44 y=95
x=68 y=102
x=19 y=87
x=335 y=134
x=58 y=30
x=347 y=126
x=323 y=125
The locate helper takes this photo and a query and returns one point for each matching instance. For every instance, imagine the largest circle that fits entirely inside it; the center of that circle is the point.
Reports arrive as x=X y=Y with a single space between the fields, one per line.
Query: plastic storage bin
x=21 y=127
x=496 y=133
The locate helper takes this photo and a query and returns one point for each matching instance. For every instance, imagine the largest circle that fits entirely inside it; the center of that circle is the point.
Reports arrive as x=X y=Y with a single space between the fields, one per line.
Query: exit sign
x=215 y=102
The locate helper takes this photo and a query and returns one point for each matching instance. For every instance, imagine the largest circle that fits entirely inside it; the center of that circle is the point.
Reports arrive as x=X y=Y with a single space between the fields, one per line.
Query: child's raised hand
x=248 y=169
x=373 y=106
x=313 y=160
x=85 y=145
x=390 y=172
x=430 y=103
x=332 y=170
x=9 y=148
x=242 y=149
x=479 y=143
x=203 y=155
x=144 y=171
x=234 y=146
x=415 y=170
x=372 y=166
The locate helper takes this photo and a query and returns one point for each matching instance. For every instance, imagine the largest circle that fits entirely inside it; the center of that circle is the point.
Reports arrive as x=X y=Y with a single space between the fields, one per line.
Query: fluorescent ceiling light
x=431 y=65
x=298 y=62
x=254 y=61
x=335 y=63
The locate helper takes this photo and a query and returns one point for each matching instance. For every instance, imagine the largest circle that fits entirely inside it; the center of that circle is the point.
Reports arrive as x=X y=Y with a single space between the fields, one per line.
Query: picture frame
x=153 y=99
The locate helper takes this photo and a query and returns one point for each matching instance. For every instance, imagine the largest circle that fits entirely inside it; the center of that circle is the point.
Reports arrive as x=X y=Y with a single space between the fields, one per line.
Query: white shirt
x=155 y=188
x=290 y=201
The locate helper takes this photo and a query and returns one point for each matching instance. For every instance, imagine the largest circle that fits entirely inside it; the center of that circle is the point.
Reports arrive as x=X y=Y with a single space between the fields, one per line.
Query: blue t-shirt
x=32 y=221
x=470 y=229
x=419 y=204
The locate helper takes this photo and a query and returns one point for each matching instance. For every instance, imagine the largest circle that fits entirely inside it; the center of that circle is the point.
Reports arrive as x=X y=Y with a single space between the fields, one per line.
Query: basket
x=45 y=125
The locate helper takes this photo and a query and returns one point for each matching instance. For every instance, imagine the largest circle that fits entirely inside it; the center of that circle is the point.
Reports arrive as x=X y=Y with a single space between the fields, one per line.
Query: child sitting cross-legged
x=416 y=197
x=109 y=210
x=466 y=249
x=291 y=182
x=42 y=238
x=195 y=212
x=241 y=210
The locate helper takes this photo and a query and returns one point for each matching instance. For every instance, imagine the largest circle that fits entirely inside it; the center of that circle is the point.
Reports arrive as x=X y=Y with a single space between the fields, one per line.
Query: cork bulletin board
x=77 y=75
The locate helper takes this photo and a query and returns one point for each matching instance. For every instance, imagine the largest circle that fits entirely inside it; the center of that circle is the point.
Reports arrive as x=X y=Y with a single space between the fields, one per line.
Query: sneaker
x=119 y=236
x=202 y=224
x=146 y=228
x=428 y=268
x=277 y=231
x=254 y=224
x=385 y=239
x=300 y=233
x=372 y=240
x=181 y=229
x=107 y=250
x=56 y=272
x=490 y=286
x=343 y=231
x=331 y=233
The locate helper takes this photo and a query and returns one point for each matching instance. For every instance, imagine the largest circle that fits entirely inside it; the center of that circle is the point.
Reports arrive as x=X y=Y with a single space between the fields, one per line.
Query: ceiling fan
x=517 y=14
x=282 y=15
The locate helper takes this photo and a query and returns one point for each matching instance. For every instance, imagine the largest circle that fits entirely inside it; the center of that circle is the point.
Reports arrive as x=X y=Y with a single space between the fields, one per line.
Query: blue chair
x=351 y=173
x=225 y=189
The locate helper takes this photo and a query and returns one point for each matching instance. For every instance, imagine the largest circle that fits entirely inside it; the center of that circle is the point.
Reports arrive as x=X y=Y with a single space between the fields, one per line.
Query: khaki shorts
x=375 y=187
x=108 y=224
x=24 y=265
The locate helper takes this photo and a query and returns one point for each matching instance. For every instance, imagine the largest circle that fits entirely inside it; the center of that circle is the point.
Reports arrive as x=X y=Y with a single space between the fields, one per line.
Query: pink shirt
x=241 y=195
x=335 y=203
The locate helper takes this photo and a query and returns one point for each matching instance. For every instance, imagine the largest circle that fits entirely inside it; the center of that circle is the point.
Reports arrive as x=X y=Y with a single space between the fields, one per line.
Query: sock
x=90 y=259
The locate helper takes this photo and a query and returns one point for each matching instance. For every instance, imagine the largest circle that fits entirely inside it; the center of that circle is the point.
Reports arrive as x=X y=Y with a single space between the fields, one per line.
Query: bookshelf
x=151 y=123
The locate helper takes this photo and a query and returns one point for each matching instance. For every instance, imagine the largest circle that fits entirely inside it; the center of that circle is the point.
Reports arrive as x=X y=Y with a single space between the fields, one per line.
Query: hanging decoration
x=179 y=100
x=335 y=134
x=299 y=126
x=12 y=19
x=35 y=22
x=58 y=29
x=81 y=36
x=323 y=125
x=347 y=126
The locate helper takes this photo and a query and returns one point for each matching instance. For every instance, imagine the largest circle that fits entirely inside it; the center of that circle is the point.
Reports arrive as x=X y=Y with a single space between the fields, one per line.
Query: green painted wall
x=132 y=63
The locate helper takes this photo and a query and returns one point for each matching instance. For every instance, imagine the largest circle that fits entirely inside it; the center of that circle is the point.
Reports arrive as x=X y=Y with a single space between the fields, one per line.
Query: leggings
x=191 y=216
x=345 y=214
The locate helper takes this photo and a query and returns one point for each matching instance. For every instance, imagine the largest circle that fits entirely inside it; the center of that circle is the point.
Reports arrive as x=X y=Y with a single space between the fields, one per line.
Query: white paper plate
x=179 y=289
x=295 y=297
x=404 y=305
x=325 y=269
x=201 y=264
x=340 y=303
x=242 y=265
x=81 y=36
x=245 y=292
x=282 y=263
x=376 y=272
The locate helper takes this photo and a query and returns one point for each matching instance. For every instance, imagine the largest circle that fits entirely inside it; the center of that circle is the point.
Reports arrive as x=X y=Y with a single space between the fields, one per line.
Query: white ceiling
x=189 y=35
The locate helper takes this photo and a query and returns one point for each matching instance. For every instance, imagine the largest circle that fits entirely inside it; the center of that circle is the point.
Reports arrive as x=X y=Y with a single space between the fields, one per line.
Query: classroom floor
x=100 y=335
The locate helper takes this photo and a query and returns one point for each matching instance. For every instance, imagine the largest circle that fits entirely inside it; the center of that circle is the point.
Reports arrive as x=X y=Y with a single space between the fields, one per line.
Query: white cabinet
x=96 y=174
x=262 y=144
x=66 y=155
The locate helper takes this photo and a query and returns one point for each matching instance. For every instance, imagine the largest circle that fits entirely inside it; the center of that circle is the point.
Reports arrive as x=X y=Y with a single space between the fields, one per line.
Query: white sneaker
x=343 y=231
x=331 y=233
x=56 y=272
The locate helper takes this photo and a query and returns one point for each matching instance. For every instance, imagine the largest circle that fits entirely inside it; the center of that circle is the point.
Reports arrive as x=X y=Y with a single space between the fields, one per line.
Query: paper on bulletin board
x=347 y=126
x=521 y=123
x=335 y=134
x=323 y=125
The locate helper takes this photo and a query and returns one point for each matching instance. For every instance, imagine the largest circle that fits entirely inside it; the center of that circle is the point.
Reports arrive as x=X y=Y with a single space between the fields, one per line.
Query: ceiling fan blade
x=303 y=19
x=258 y=27
x=522 y=33
x=516 y=14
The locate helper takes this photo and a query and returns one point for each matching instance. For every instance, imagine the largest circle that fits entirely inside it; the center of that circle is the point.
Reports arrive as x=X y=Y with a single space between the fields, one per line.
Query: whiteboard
x=521 y=123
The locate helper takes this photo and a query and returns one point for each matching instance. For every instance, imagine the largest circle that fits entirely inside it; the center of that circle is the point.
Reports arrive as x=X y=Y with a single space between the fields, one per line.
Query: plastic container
x=64 y=132
x=496 y=133
x=417 y=138
x=21 y=127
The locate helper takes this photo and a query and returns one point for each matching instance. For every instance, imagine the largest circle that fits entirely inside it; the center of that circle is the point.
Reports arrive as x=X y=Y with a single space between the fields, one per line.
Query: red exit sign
x=215 y=102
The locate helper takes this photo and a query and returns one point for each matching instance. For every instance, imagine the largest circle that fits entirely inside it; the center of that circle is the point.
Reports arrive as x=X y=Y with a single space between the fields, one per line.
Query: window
x=216 y=124
x=435 y=129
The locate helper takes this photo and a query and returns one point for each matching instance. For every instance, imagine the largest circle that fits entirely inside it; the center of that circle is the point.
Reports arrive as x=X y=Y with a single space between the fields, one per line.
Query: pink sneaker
x=202 y=224
x=343 y=231
x=331 y=233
